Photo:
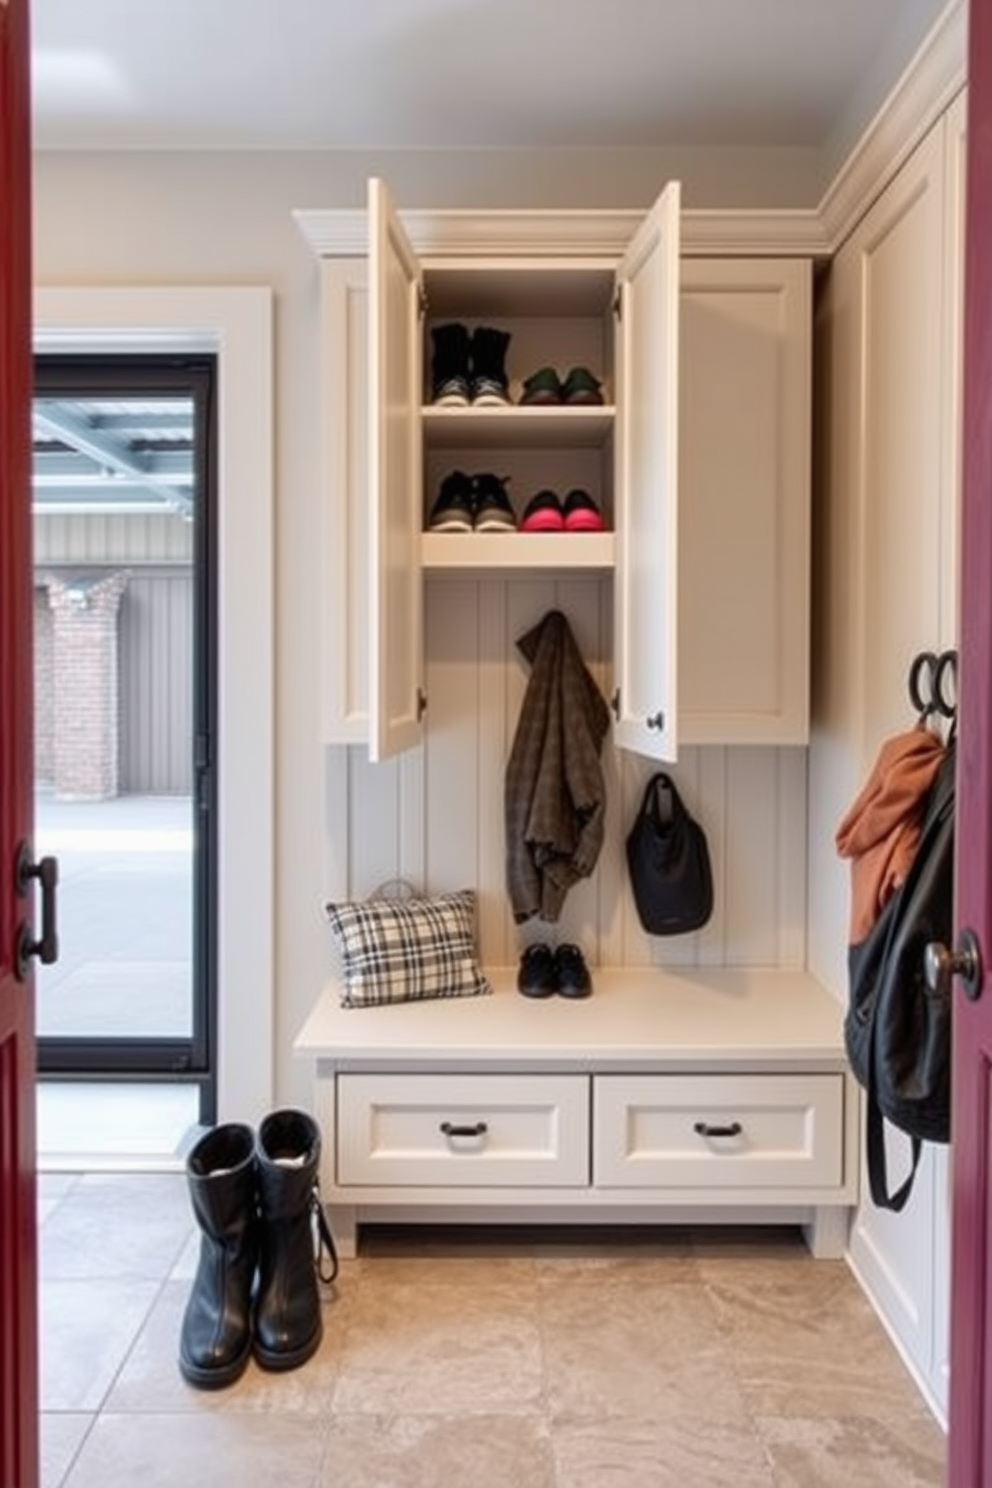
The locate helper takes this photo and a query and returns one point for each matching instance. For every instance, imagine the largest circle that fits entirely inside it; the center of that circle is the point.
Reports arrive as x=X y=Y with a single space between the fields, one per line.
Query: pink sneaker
x=543 y=513
x=581 y=514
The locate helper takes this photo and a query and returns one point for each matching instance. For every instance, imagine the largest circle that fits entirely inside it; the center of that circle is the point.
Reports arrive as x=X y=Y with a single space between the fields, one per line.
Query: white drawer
x=718 y=1131
x=463 y=1131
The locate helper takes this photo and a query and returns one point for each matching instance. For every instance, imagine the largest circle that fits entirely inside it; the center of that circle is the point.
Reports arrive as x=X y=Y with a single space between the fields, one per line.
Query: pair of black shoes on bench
x=545 y=971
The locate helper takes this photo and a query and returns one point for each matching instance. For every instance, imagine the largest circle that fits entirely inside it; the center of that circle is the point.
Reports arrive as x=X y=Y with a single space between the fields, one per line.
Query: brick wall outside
x=84 y=685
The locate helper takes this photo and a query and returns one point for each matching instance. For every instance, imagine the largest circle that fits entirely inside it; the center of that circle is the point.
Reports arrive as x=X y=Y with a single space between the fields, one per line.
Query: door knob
x=940 y=965
x=47 y=947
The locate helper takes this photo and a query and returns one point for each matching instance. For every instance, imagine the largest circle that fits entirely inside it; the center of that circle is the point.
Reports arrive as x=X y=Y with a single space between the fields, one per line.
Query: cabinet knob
x=656 y=720
x=705 y=1129
x=477 y=1129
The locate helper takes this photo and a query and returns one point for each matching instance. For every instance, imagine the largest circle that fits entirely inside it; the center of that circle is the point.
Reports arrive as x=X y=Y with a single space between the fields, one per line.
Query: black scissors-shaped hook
x=933 y=684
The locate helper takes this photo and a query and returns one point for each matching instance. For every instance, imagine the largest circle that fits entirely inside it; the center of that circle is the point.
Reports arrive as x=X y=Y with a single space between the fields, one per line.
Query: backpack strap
x=878 y=1179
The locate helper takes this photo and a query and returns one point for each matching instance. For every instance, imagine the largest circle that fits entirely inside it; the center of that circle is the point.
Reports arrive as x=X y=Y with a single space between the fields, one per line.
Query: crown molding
x=933 y=79
x=935 y=76
x=549 y=234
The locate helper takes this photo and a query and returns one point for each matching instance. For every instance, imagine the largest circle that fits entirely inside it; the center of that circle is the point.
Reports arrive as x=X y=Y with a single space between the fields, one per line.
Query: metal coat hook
x=933 y=678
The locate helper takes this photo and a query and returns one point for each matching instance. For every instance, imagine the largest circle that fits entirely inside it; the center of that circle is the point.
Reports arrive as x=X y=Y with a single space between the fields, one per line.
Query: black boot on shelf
x=215 y=1338
x=489 y=381
x=288 y=1323
x=450 y=366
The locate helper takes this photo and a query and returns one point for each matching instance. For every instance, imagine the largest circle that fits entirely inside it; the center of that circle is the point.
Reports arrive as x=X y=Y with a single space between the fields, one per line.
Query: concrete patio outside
x=124 y=970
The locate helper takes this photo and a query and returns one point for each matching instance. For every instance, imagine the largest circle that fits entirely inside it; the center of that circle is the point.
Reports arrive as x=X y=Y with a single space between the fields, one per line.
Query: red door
x=18 y=1269
x=970 y=1443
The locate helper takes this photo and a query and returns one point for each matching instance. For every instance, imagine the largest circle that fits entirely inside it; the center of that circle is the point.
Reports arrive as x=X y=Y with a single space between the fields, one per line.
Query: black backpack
x=897 y=1031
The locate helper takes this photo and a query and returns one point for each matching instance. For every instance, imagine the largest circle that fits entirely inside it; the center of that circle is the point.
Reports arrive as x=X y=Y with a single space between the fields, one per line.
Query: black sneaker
x=572 y=977
x=538 y=975
x=493 y=508
x=454 y=508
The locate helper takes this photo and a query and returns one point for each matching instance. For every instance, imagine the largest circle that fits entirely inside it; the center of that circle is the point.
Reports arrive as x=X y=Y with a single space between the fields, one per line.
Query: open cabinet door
x=18 y=1248
x=396 y=697
x=970 y=1442
x=645 y=586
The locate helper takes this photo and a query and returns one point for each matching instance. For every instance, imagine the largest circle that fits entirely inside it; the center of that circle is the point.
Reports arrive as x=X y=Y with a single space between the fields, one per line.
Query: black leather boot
x=215 y=1340
x=489 y=383
x=288 y=1324
x=450 y=365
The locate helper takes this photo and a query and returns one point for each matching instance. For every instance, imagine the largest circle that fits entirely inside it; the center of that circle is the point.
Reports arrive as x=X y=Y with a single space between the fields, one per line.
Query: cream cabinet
x=745 y=377
x=890 y=328
x=665 y=1097
x=698 y=458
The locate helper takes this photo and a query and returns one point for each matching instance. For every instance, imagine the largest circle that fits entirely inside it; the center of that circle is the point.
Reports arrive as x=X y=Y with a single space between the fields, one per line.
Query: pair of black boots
x=262 y=1233
x=469 y=367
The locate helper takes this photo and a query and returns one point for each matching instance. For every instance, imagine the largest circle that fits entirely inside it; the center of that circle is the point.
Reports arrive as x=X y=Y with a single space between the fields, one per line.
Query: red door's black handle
x=47 y=947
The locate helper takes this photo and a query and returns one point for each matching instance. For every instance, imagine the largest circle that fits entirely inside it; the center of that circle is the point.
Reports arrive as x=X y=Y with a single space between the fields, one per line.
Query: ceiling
x=438 y=74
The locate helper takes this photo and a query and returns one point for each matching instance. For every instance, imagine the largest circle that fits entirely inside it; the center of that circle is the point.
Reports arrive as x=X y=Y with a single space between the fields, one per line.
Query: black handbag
x=669 y=863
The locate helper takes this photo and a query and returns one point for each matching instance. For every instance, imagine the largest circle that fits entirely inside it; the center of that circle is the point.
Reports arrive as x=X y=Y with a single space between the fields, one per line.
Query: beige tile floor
x=518 y=1359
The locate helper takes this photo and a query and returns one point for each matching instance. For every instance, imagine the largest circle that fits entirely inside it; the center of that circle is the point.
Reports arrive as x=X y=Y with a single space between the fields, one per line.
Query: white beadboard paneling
x=436 y=817
x=456 y=712
x=373 y=823
x=751 y=859
x=496 y=930
x=793 y=769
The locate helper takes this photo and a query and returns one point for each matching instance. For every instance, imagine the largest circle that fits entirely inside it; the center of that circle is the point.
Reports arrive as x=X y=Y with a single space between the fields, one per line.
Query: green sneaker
x=542 y=386
x=581 y=387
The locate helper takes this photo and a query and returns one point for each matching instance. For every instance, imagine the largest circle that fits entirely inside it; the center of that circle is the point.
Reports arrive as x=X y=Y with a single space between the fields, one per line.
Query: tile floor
x=662 y=1359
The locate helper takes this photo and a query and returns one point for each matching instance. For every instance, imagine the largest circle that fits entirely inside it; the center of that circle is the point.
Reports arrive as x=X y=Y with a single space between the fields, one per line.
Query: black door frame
x=166 y=1060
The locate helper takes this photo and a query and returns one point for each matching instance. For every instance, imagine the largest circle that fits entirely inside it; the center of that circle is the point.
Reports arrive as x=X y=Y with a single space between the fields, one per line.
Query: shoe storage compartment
x=711 y=603
x=558 y=315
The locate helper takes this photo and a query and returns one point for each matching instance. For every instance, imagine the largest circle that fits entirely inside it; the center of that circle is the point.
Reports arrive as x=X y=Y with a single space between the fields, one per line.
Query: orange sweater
x=881 y=829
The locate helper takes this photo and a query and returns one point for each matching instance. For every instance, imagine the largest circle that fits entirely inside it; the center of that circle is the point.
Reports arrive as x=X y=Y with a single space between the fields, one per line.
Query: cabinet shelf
x=517 y=550
x=522 y=428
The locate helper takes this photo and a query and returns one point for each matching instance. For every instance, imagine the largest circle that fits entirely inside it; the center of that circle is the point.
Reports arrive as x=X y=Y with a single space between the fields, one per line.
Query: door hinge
x=423 y=304
x=617 y=304
x=615 y=704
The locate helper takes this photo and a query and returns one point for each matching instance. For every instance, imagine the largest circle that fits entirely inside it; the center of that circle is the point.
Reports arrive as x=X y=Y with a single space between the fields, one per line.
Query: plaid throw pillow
x=403 y=950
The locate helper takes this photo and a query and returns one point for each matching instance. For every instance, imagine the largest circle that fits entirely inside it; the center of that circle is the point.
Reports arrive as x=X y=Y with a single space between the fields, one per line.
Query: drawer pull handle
x=479 y=1129
x=704 y=1129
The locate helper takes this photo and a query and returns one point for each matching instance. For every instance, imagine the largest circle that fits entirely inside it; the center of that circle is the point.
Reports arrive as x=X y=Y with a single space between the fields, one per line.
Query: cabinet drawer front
x=718 y=1131
x=461 y=1131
